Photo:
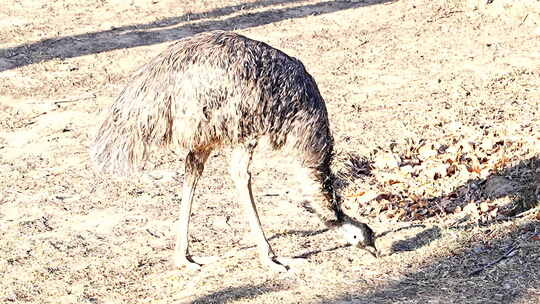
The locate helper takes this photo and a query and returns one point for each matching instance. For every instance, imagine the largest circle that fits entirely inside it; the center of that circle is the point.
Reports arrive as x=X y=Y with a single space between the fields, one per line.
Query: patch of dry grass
x=435 y=112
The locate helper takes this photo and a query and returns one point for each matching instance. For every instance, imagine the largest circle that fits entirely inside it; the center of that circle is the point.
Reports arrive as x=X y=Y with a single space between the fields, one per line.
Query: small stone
x=471 y=208
x=407 y=169
x=466 y=146
x=434 y=170
x=478 y=249
x=222 y=222
x=484 y=207
x=386 y=160
x=454 y=126
x=452 y=150
x=487 y=143
x=499 y=186
x=426 y=151
x=442 y=149
x=162 y=176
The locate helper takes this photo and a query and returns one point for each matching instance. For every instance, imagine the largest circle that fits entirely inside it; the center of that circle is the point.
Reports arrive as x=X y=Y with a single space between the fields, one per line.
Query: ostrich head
x=359 y=235
x=354 y=232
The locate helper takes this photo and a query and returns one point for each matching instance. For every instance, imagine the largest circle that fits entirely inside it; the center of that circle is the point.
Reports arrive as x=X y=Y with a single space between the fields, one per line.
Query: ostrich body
x=221 y=89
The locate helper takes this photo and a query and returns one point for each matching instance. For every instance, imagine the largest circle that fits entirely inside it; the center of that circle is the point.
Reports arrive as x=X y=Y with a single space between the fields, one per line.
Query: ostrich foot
x=192 y=262
x=282 y=264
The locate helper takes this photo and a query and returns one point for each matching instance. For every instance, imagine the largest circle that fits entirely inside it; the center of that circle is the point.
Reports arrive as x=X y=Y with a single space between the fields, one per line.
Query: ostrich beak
x=371 y=249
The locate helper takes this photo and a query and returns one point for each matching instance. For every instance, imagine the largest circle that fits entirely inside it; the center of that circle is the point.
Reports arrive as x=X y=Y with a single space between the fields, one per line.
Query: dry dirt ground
x=436 y=117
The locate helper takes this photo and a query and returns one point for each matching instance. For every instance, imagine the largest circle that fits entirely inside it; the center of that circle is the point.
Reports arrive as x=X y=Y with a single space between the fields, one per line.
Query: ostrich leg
x=194 y=167
x=240 y=173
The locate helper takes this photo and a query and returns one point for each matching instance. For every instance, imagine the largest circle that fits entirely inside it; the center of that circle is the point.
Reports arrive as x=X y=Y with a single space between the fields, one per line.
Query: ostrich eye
x=354 y=237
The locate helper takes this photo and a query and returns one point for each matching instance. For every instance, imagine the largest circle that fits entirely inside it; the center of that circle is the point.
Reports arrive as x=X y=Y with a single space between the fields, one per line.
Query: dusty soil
x=435 y=107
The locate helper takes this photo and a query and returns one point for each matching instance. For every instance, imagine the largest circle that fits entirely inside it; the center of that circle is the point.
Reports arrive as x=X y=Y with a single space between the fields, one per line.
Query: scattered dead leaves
x=409 y=173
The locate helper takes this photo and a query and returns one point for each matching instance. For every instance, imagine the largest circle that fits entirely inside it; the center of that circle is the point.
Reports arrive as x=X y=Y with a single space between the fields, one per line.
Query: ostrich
x=220 y=89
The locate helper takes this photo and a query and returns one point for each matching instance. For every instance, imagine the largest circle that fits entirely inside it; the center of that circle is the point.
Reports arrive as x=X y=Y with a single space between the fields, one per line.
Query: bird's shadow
x=302 y=233
x=313 y=252
x=418 y=241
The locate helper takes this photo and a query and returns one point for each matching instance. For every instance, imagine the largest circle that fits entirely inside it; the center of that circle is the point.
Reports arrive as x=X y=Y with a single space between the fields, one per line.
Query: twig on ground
x=75 y=99
x=152 y=233
x=510 y=253
x=528 y=212
x=68 y=100
x=523 y=21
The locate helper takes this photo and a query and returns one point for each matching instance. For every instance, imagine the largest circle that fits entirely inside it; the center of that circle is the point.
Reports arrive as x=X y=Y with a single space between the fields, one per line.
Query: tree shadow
x=161 y=31
x=504 y=270
x=231 y=294
x=525 y=178
x=519 y=184
x=501 y=269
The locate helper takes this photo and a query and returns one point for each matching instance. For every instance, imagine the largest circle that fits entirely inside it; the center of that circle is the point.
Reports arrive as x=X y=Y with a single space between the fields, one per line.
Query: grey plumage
x=222 y=89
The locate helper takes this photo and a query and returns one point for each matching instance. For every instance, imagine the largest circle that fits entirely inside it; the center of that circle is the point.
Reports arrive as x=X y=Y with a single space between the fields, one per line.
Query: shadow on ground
x=165 y=30
x=418 y=241
x=303 y=233
x=231 y=294
x=501 y=270
x=519 y=185
x=493 y=269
